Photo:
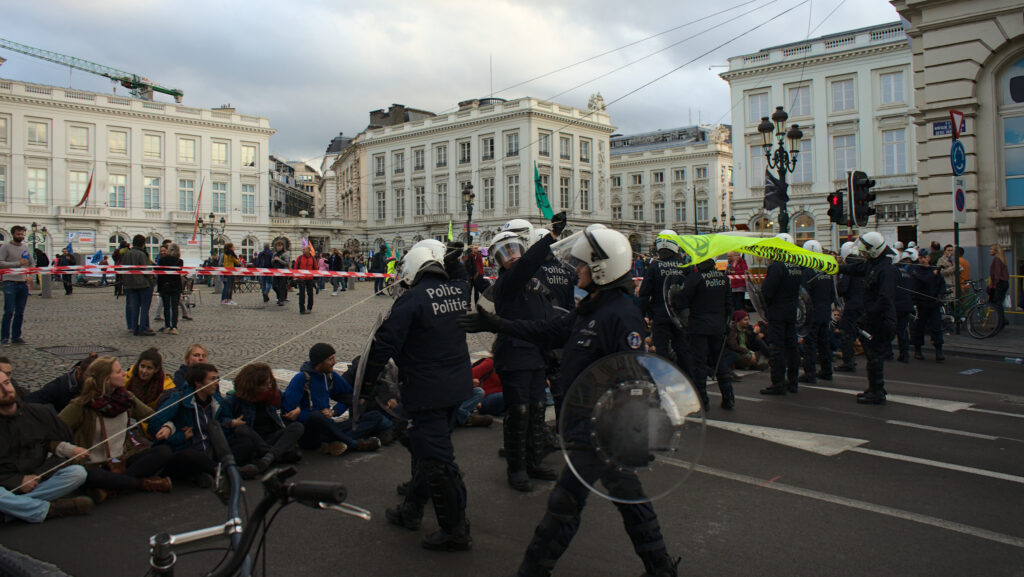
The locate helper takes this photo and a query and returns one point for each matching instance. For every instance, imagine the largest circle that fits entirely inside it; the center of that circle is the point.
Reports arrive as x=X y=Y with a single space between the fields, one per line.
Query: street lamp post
x=44 y=279
x=467 y=197
x=211 y=227
x=782 y=160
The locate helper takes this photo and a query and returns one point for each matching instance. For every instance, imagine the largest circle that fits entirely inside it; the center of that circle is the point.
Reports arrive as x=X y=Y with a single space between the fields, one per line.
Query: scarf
x=149 y=392
x=113 y=403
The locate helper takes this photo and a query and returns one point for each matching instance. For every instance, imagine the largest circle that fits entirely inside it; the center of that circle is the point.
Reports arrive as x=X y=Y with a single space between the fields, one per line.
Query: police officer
x=822 y=290
x=604 y=322
x=420 y=334
x=781 y=290
x=556 y=277
x=668 y=339
x=905 y=284
x=929 y=286
x=851 y=289
x=879 y=318
x=707 y=295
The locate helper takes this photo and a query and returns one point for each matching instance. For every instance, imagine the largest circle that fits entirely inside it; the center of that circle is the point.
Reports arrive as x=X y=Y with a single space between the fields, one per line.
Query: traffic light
x=836 y=213
x=862 y=198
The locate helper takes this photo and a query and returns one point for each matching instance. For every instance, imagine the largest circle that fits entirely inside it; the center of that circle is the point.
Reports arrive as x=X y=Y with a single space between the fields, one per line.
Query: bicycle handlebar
x=317 y=491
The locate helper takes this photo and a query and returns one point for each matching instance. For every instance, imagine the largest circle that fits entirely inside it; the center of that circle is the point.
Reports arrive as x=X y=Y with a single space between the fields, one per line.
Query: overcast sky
x=318 y=68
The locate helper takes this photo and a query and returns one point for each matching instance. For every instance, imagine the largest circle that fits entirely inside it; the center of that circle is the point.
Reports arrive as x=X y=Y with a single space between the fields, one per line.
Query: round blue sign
x=958 y=198
x=958 y=158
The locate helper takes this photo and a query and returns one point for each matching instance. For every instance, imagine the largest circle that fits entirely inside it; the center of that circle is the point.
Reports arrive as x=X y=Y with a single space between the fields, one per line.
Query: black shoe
x=846 y=369
x=805 y=378
x=792 y=388
x=870 y=398
x=404 y=516
x=541 y=473
x=266 y=298
x=520 y=481
x=728 y=401
x=774 y=390
x=445 y=541
x=824 y=376
x=918 y=353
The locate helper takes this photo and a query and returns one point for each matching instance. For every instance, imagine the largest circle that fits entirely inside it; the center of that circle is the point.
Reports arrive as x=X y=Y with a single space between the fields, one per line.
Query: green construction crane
x=139 y=86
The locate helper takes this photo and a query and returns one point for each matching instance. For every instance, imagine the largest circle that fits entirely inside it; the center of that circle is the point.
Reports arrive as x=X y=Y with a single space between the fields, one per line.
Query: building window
x=512 y=144
x=544 y=144
x=186 y=194
x=77 y=183
x=564 y=192
x=512 y=188
x=248 y=199
x=153 y=247
x=398 y=161
x=442 y=197
x=702 y=173
x=249 y=155
x=616 y=180
x=152 y=146
x=38 y=133
x=680 y=210
x=617 y=212
x=381 y=205
x=487 y=148
x=679 y=175
x=3 y=130
x=187 y=150
x=638 y=212
x=894 y=152
x=78 y=138
x=636 y=179
x=842 y=95
x=545 y=183
x=757 y=107
x=378 y=165
x=219 y=153
x=220 y=197
x=488 y=185
x=659 y=212
x=658 y=176
x=399 y=203
x=565 y=147
x=248 y=248
x=901 y=212
x=114 y=243
x=757 y=166
x=151 y=192
x=441 y=156
x=584 y=194
x=418 y=157
x=117 y=187
x=803 y=225
x=702 y=210
x=3 y=183
x=892 y=87
x=465 y=152
x=805 y=163
x=800 y=101
x=420 y=198
x=117 y=142
x=584 y=150
x=844 y=151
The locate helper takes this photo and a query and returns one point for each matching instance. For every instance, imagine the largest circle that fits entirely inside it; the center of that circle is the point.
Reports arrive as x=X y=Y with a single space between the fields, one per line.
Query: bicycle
x=974 y=311
x=315 y=494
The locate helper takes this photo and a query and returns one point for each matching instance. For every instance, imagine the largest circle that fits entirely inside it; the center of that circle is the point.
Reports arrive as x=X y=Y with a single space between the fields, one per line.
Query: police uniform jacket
x=519 y=296
x=927 y=284
x=851 y=288
x=781 y=290
x=904 y=287
x=420 y=334
x=652 y=289
x=708 y=296
x=821 y=289
x=879 y=289
x=559 y=280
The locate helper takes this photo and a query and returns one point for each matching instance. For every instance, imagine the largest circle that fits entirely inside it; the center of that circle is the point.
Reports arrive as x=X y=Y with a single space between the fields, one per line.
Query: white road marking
x=924 y=402
x=828 y=445
x=740 y=397
x=939 y=464
x=862 y=506
x=942 y=430
x=986 y=411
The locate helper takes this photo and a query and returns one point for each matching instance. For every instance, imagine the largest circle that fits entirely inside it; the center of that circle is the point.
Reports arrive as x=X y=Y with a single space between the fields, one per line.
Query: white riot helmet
x=539 y=233
x=911 y=244
x=416 y=262
x=786 y=237
x=911 y=254
x=522 y=227
x=607 y=252
x=506 y=247
x=872 y=244
x=813 y=246
x=848 y=248
x=664 y=243
x=436 y=247
x=898 y=246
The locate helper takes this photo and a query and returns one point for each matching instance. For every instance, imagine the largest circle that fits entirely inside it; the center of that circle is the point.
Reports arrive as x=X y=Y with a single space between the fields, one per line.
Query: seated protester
x=59 y=392
x=256 y=400
x=750 y=348
x=8 y=369
x=308 y=401
x=98 y=418
x=28 y=433
x=381 y=398
x=183 y=420
x=486 y=378
x=146 y=378
x=195 y=353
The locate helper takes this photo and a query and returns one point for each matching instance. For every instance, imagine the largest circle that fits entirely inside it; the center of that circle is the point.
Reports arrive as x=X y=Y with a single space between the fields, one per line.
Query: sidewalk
x=1009 y=342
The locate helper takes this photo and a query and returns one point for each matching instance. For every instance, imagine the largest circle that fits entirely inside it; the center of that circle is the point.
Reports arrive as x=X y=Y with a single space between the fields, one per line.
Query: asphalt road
x=808 y=484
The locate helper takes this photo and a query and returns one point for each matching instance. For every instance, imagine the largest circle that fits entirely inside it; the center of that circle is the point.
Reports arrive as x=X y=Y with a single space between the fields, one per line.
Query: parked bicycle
x=974 y=311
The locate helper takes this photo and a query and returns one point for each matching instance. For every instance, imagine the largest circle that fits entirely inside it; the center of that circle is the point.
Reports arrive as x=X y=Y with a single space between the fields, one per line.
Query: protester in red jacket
x=737 y=270
x=306 y=261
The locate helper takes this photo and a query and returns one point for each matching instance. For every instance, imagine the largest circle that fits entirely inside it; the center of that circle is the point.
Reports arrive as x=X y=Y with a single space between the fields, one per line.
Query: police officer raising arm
x=604 y=322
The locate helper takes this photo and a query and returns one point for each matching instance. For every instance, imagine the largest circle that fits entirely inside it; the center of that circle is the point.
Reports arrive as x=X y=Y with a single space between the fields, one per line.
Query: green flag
x=451 y=237
x=542 y=197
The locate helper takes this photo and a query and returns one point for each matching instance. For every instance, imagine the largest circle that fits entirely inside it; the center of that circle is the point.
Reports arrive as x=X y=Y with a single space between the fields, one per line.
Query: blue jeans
x=34 y=505
x=493 y=404
x=137 y=302
x=228 y=288
x=266 y=283
x=15 y=297
x=467 y=406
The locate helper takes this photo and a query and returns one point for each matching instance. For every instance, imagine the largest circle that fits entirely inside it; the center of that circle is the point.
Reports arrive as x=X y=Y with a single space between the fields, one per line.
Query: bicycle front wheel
x=391 y=289
x=982 y=321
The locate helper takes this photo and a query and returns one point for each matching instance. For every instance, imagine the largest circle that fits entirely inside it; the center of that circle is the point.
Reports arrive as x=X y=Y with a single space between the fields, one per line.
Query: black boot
x=728 y=398
x=660 y=564
x=258 y=467
x=939 y=357
x=918 y=353
x=774 y=390
x=516 y=422
x=536 y=440
x=409 y=514
x=808 y=377
x=446 y=492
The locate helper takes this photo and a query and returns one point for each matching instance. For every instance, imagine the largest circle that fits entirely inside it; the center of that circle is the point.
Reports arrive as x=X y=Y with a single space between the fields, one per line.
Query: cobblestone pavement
x=234 y=335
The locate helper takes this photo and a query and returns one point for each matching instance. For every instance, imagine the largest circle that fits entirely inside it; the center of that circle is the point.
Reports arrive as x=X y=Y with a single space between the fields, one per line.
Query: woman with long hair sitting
x=98 y=418
x=147 y=379
x=256 y=400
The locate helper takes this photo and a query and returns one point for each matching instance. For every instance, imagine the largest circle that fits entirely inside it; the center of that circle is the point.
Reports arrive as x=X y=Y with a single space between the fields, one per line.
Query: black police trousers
x=707 y=353
x=523 y=387
x=877 y=349
x=929 y=320
x=785 y=355
x=669 y=340
x=903 y=332
x=848 y=335
x=430 y=442
x=817 y=349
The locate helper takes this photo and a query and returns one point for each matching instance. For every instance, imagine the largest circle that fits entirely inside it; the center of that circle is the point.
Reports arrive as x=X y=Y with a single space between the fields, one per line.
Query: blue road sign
x=958 y=158
x=942 y=128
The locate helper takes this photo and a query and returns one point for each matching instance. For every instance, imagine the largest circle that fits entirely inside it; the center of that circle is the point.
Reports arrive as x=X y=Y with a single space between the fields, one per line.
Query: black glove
x=482 y=321
x=350 y=374
x=558 y=223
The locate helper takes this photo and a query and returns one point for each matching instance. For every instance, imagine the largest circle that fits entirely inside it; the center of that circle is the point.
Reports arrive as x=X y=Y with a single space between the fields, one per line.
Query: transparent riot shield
x=361 y=370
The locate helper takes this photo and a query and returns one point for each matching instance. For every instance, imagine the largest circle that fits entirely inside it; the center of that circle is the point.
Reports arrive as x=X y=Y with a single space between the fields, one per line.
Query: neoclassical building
x=852 y=94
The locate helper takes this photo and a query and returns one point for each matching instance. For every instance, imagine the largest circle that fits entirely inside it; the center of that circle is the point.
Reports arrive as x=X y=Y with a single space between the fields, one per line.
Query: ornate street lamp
x=467 y=198
x=211 y=229
x=782 y=160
